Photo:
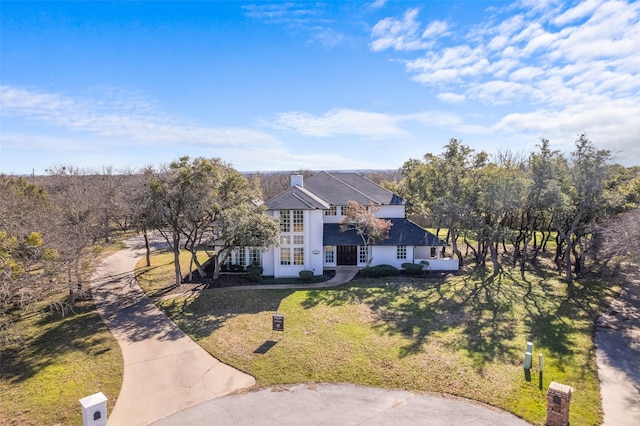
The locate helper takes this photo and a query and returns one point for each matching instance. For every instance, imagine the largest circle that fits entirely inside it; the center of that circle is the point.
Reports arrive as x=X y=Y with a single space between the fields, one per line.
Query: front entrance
x=347 y=255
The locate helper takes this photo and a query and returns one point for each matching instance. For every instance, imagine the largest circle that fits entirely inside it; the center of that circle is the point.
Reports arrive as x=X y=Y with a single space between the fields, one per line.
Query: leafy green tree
x=584 y=205
x=204 y=199
x=439 y=187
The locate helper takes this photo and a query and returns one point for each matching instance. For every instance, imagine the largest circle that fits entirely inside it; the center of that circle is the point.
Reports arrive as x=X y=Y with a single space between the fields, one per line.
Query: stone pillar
x=558 y=404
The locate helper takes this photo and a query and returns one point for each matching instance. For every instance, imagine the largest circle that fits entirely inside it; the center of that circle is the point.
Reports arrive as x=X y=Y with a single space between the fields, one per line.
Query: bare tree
x=363 y=221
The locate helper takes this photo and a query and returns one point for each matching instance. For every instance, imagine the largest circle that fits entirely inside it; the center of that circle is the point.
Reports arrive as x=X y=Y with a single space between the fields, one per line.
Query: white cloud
x=378 y=4
x=566 y=68
x=613 y=125
x=451 y=98
x=582 y=10
x=119 y=120
x=404 y=34
x=340 y=122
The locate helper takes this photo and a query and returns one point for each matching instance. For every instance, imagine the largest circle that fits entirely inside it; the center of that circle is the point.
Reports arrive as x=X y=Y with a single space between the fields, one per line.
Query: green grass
x=462 y=335
x=60 y=361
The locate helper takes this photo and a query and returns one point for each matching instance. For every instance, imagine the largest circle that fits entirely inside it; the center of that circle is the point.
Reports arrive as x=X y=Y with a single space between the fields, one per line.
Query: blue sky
x=312 y=85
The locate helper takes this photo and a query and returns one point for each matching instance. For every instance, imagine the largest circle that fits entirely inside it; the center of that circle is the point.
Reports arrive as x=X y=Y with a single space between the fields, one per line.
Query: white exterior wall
x=387 y=255
x=441 y=264
x=384 y=212
x=313 y=250
x=314 y=253
x=391 y=212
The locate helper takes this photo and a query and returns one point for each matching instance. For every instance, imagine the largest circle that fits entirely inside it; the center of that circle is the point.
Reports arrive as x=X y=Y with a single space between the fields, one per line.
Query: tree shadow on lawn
x=77 y=332
x=202 y=315
x=488 y=310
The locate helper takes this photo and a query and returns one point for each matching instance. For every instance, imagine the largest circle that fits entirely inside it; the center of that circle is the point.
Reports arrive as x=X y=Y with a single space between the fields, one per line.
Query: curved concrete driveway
x=618 y=355
x=164 y=370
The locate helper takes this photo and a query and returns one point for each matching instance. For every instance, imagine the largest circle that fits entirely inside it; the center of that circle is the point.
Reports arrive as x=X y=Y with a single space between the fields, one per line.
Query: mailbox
x=94 y=410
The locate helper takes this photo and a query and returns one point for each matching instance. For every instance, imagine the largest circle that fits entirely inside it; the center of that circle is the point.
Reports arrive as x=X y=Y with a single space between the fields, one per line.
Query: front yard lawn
x=462 y=335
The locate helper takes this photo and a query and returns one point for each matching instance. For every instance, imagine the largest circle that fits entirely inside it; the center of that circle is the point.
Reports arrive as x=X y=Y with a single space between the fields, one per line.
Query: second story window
x=285 y=221
x=298 y=221
x=333 y=211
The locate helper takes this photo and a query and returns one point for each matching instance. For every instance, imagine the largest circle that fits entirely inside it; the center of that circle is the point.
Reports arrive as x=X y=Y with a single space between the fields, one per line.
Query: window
x=285 y=221
x=291 y=237
x=285 y=256
x=285 y=240
x=433 y=252
x=363 y=254
x=255 y=257
x=329 y=254
x=241 y=257
x=401 y=252
x=298 y=221
x=298 y=256
x=333 y=211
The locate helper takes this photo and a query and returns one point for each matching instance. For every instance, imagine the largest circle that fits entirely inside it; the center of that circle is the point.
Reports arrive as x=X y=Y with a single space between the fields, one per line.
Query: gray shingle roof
x=324 y=189
x=403 y=233
x=339 y=188
x=296 y=198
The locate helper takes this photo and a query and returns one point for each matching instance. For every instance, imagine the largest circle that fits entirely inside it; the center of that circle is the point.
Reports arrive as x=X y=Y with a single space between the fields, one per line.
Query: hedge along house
x=310 y=236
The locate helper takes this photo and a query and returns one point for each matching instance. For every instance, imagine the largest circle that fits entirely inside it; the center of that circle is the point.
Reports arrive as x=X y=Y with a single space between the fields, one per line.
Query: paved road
x=164 y=370
x=342 y=405
x=618 y=355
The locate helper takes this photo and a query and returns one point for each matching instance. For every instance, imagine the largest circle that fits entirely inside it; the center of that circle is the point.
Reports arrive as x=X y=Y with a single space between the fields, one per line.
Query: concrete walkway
x=343 y=275
x=164 y=370
x=618 y=355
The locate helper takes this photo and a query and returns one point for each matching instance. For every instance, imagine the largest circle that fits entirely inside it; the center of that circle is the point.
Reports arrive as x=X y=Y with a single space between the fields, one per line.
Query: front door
x=347 y=255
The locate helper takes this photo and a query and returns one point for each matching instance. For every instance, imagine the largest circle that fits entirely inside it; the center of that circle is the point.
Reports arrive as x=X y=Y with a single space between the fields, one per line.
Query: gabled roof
x=403 y=233
x=296 y=198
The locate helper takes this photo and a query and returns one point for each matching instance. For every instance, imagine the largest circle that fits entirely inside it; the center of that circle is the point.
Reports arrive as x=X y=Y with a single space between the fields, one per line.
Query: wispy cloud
x=405 y=33
x=340 y=122
x=373 y=125
x=130 y=119
x=300 y=18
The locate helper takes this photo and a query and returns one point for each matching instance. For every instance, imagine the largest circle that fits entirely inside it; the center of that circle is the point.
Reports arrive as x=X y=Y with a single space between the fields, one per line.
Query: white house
x=310 y=237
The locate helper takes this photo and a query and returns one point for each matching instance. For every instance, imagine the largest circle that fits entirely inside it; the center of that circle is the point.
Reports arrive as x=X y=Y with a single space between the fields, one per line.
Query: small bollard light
x=540 y=363
x=527 y=361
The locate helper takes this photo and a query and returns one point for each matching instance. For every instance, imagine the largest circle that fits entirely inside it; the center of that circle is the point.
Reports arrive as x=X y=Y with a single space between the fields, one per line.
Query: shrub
x=412 y=268
x=379 y=271
x=306 y=275
x=254 y=273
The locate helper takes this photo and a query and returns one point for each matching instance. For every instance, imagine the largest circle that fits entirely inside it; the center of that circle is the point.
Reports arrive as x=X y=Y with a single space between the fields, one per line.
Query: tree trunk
x=216 y=265
x=176 y=257
x=567 y=265
x=148 y=249
x=494 y=257
x=454 y=245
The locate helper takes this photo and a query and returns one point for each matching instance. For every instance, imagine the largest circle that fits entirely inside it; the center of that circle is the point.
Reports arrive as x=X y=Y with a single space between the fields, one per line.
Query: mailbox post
x=558 y=404
x=94 y=410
